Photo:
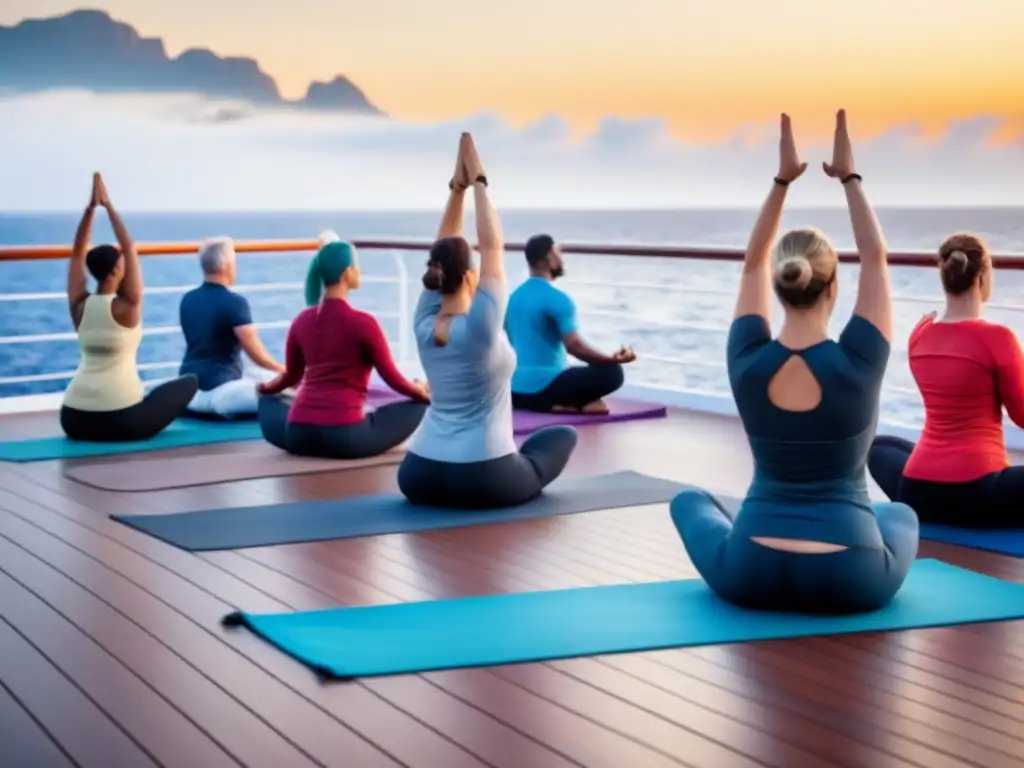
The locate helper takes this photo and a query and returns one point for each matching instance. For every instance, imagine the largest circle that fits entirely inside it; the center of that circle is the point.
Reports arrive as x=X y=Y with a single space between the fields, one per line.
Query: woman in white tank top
x=105 y=401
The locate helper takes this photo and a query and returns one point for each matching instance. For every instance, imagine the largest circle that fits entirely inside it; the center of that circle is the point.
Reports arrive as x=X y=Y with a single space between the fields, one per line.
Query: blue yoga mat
x=179 y=434
x=1005 y=542
x=354 y=516
x=539 y=626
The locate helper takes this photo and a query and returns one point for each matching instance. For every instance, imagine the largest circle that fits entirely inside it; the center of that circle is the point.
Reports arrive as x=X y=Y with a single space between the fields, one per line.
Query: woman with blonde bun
x=968 y=371
x=806 y=537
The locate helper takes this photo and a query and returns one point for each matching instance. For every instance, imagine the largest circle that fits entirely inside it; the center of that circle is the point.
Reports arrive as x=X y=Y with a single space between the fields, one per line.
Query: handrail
x=705 y=253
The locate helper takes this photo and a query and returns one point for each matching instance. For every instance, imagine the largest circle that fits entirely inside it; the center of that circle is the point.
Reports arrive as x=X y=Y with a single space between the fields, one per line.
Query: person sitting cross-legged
x=543 y=328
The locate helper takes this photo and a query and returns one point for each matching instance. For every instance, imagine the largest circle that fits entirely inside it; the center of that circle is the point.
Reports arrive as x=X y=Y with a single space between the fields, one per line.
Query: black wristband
x=851 y=177
x=781 y=181
x=481 y=179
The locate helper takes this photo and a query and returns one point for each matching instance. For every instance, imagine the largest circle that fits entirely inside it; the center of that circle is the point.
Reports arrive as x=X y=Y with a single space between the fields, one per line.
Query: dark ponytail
x=450 y=259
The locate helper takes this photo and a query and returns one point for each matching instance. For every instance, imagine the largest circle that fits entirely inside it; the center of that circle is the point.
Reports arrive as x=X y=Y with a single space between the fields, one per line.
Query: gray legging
x=492 y=484
x=380 y=431
x=750 y=575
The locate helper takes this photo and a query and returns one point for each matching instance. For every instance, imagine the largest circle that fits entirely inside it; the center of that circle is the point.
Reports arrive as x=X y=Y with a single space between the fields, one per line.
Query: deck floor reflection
x=111 y=653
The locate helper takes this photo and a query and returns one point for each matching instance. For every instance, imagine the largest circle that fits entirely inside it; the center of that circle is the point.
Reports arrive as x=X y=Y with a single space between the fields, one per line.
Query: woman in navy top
x=806 y=537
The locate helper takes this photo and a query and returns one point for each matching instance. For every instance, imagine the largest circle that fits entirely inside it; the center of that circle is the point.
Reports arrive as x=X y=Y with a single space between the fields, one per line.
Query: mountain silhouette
x=89 y=50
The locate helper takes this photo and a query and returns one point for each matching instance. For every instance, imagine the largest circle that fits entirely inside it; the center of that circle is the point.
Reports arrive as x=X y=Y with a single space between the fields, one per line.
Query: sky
x=613 y=103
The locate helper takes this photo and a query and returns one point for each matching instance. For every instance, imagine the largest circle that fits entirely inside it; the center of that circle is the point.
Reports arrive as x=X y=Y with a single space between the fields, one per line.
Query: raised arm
x=452 y=220
x=874 y=293
x=490 y=240
x=755 y=295
x=128 y=304
x=78 y=285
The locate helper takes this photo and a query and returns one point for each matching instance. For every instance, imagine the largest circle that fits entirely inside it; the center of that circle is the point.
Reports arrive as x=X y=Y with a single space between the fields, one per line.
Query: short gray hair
x=215 y=254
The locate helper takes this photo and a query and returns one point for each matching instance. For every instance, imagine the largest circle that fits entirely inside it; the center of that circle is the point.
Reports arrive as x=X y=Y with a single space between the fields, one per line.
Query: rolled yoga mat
x=540 y=626
x=355 y=516
x=247 y=462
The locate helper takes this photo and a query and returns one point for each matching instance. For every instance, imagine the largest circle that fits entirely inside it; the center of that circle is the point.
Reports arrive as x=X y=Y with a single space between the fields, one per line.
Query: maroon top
x=332 y=349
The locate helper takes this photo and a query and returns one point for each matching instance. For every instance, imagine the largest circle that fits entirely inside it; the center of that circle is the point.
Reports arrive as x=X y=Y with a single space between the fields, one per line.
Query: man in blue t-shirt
x=217 y=325
x=542 y=326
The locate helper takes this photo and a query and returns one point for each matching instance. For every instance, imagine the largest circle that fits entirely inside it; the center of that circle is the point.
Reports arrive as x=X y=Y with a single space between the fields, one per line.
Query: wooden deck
x=111 y=652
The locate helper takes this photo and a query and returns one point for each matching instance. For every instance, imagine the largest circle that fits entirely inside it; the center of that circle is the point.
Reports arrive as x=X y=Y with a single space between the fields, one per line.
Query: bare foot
x=596 y=408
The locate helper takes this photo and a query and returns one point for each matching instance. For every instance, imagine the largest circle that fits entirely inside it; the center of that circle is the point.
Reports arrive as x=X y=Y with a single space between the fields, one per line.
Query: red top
x=332 y=349
x=967 y=373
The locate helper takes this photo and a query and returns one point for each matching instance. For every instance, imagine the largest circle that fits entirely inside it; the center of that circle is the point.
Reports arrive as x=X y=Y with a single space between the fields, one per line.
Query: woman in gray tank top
x=463 y=454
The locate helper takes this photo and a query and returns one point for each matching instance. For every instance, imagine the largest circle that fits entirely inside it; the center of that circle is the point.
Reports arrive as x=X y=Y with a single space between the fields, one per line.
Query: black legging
x=380 y=431
x=141 y=421
x=492 y=484
x=573 y=388
x=995 y=500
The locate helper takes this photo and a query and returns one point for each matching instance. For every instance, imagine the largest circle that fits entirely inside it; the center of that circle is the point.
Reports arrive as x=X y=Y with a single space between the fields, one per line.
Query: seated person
x=541 y=325
x=968 y=370
x=105 y=401
x=464 y=454
x=806 y=537
x=217 y=325
x=331 y=349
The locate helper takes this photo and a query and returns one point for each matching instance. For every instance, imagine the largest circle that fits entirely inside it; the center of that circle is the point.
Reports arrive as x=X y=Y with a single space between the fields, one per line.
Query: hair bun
x=959 y=258
x=433 y=278
x=795 y=272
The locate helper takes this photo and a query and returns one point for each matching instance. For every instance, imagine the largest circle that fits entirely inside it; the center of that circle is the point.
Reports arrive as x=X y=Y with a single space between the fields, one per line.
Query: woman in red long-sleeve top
x=330 y=351
x=968 y=371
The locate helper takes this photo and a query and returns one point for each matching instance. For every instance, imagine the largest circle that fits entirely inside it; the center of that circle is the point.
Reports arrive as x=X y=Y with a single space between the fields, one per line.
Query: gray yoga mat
x=373 y=515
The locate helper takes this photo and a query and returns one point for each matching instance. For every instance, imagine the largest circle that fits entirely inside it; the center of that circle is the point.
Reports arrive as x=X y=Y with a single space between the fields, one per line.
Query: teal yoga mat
x=373 y=515
x=179 y=434
x=540 y=626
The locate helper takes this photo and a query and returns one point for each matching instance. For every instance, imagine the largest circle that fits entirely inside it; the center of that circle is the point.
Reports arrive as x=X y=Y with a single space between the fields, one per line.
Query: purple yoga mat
x=622 y=409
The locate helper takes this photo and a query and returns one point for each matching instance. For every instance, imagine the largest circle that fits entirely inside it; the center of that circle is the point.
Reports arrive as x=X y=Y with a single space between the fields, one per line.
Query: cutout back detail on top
x=809 y=479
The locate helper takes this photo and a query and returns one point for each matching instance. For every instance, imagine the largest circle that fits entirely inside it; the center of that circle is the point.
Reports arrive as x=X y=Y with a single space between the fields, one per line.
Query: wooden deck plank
x=237 y=660
x=26 y=744
x=928 y=698
x=72 y=719
x=356 y=705
x=143 y=710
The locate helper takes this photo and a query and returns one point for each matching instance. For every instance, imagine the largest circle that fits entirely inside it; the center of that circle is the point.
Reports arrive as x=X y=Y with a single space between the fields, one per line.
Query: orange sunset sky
x=704 y=66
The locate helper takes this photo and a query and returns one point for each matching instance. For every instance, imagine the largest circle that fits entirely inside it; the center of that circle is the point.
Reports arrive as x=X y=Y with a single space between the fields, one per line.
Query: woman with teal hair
x=330 y=352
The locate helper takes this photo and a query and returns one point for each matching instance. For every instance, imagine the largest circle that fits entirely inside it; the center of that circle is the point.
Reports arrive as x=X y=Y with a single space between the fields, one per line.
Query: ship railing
x=403 y=347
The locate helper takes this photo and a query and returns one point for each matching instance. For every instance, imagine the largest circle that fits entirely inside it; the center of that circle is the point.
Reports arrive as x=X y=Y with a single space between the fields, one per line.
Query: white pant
x=235 y=398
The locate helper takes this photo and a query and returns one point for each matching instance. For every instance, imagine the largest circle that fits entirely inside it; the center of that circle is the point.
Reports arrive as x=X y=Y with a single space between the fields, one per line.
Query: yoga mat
x=1004 y=541
x=179 y=434
x=378 y=514
x=540 y=626
x=526 y=422
x=248 y=462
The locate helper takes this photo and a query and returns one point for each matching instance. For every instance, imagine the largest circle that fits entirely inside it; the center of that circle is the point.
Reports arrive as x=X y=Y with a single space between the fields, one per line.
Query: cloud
x=192 y=153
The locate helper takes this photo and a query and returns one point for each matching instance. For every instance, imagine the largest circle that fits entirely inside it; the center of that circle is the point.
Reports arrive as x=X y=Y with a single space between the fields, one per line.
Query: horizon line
x=208 y=212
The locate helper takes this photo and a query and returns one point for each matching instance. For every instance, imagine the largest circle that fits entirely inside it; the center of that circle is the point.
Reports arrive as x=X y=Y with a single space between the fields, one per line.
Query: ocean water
x=674 y=313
